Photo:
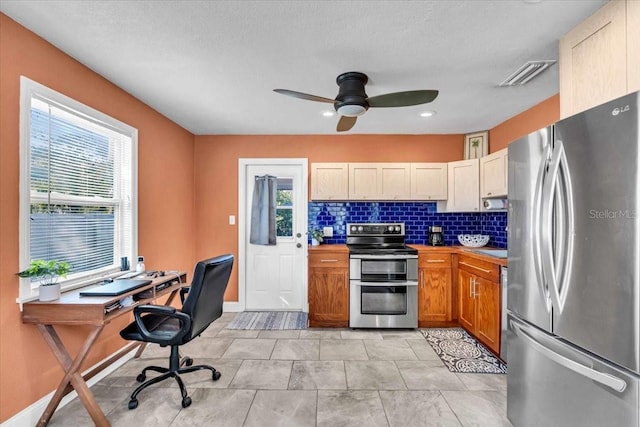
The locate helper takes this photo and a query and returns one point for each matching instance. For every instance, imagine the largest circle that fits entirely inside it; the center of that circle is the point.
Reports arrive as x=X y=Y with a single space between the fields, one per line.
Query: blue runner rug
x=269 y=320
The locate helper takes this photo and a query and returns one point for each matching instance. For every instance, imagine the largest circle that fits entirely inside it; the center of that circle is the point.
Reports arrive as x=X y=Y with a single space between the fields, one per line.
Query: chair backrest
x=206 y=295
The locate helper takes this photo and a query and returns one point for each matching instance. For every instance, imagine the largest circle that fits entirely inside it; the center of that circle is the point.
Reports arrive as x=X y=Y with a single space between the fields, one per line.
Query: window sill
x=72 y=284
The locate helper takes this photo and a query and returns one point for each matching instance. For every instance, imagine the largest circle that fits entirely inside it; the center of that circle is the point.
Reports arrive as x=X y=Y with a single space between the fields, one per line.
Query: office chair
x=168 y=326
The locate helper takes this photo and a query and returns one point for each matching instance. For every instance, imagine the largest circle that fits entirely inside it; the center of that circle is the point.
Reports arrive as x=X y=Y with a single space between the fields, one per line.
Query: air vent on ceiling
x=528 y=71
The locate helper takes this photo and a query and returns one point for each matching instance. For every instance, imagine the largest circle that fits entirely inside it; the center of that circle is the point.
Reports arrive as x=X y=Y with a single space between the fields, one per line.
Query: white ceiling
x=211 y=66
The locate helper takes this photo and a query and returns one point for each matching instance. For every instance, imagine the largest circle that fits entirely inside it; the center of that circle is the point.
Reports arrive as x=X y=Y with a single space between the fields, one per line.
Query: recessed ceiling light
x=427 y=113
x=328 y=113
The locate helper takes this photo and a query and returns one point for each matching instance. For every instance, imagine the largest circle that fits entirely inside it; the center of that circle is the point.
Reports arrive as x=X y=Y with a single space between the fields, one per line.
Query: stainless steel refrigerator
x=573 y=294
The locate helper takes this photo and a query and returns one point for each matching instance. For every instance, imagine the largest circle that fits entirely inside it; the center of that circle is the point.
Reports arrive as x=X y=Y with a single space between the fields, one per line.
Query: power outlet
x=327 y=231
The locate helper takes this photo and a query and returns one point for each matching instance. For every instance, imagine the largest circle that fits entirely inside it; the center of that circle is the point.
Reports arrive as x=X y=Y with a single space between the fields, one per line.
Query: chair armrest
x=158 y=312
x=153 y=309
x=183 y=293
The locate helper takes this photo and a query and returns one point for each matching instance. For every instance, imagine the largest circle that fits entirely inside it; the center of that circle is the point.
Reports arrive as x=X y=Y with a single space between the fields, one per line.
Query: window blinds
x=80 y=188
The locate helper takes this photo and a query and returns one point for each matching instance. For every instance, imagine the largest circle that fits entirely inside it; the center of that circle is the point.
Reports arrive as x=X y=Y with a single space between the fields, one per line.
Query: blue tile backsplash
x=417 y=217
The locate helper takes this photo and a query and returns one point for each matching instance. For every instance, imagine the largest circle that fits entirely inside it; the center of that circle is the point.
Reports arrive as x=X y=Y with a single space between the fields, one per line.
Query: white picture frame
x=476 y=145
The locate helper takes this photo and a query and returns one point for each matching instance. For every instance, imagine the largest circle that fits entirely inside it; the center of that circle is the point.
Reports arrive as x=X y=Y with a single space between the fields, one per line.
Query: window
x=78 y=187
x=284 y=207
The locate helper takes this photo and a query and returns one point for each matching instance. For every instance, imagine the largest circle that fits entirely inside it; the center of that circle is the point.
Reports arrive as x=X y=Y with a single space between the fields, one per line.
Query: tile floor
x=313 y=377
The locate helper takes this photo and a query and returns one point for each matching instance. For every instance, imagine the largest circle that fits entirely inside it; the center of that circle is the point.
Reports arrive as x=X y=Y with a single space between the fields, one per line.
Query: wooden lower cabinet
x=467 y=301
x=329 y=289
x=488 y=313
x=434 y=288
x=479 y=301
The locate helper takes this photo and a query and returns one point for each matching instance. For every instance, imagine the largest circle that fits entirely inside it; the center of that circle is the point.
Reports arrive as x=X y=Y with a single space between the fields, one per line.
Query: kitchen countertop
x=463 y=250
x=456 y=249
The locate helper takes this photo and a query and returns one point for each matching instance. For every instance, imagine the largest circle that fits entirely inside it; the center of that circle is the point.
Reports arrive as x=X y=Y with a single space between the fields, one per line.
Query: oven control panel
x=391 y=229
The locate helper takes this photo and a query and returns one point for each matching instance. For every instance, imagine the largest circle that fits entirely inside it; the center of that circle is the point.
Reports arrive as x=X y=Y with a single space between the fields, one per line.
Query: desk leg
x=72 y=374
x=143 y=345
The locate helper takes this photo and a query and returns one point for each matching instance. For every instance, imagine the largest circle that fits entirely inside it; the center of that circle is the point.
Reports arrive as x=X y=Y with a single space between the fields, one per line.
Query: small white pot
x=49 y=292
x=314 y=242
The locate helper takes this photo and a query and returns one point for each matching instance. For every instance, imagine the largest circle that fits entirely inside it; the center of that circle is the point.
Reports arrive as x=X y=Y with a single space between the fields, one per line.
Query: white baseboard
x=30 y=415
x=233 y=307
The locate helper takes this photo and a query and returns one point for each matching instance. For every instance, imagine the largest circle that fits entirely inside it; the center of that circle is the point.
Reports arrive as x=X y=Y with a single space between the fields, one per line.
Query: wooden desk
x=72 y=309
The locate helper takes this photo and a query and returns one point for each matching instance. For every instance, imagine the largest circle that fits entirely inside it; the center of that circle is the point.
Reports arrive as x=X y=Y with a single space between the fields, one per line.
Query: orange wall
x=540 y=115
x=216 y=167
x=28 y=369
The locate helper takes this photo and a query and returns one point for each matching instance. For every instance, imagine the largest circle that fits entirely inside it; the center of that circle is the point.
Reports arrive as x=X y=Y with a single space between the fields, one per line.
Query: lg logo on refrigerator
x=617 y=111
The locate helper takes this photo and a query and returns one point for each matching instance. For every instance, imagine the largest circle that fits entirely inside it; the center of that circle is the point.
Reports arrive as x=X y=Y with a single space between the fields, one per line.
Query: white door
x=275 y=277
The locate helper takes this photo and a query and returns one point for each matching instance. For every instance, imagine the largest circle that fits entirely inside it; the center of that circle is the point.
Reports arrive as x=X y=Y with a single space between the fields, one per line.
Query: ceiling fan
x=352 y=101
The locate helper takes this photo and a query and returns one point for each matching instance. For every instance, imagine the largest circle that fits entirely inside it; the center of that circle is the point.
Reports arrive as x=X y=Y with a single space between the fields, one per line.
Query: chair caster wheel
x=141 y=377
x=133 y=403
x=216 y=375
x=188 y=361
x=186 y=402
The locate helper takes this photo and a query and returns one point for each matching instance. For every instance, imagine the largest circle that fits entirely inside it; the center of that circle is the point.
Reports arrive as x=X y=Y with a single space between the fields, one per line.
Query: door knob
x=298 y=235
x=298 y=245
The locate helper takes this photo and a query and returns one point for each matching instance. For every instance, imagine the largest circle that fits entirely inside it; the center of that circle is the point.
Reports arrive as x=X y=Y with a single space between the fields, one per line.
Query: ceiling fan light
x=351 y=110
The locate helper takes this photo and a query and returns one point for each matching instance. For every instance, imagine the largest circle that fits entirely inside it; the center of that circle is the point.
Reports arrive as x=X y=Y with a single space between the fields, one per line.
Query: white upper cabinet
x=463 y=186
x=379 y=181
x=428 y=181
x=329 y=181
x=363 y=181
x=633 y=46
x=395 y=181
x=600 y=58
x=493 y=174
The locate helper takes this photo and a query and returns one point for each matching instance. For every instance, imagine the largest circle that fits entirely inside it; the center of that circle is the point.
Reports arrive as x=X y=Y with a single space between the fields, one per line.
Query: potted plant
x=48 y=272
x=317 y=236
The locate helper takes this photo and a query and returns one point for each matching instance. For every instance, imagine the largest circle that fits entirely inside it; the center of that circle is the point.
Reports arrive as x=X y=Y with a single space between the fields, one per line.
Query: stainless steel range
x=383 y=277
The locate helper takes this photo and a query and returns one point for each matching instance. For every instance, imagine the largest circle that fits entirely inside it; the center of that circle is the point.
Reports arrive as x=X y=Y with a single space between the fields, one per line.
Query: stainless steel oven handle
x=382 y=284
x=382 y=257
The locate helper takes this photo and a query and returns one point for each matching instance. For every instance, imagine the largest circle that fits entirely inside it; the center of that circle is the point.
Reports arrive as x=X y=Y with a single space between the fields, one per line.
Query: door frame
x=243 y=164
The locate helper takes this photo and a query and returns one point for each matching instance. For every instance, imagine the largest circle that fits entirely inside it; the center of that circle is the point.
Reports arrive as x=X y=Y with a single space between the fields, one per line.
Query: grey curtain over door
x=263 y=211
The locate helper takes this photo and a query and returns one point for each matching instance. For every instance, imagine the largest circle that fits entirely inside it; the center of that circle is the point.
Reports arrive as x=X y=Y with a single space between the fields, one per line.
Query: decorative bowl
x=473 y=240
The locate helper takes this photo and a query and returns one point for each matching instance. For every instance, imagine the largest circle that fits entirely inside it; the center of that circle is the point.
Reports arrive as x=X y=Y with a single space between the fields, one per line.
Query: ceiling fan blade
x=403 y=99
x=304 y=96
x=345 y=123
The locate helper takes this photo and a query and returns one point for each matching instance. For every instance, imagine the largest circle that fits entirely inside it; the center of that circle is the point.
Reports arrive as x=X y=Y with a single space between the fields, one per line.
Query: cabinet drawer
x=329 y=260
x=486 y=269
x=434 y=260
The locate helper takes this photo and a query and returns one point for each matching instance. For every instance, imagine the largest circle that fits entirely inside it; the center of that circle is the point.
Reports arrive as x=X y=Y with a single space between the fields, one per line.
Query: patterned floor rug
x=462 y=353
x=268 y=320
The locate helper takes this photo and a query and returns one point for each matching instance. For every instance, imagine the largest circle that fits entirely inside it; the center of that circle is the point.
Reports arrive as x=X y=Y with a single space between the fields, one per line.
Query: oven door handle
x=383 y=284
x=383 y=257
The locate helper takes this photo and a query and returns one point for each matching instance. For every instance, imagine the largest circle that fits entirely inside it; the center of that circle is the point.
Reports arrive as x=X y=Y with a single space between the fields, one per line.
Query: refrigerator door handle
x=557 y=226
x=608 y=380
x=539 y=201
x=566 y=228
